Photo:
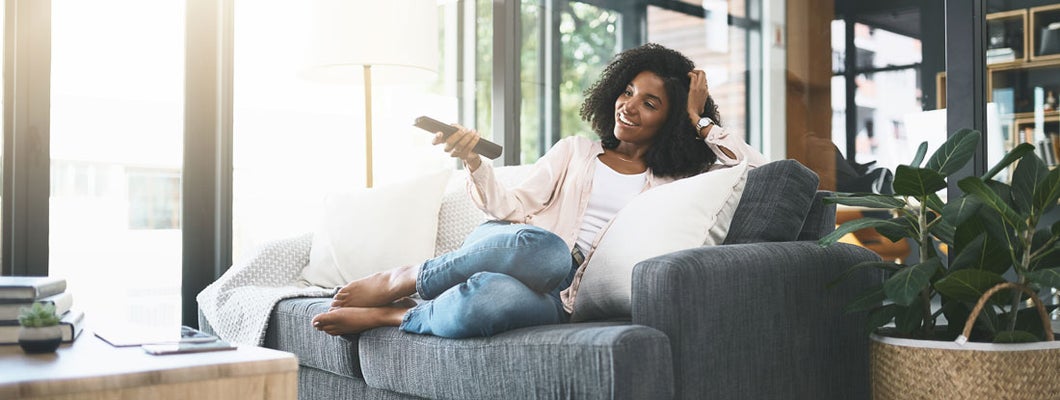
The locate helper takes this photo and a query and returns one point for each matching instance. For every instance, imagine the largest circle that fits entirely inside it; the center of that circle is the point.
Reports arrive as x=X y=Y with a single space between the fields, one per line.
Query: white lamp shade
x=398 y=36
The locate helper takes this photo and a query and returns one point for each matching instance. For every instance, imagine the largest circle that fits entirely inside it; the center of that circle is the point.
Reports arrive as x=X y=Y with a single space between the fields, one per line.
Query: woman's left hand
x=697 y=94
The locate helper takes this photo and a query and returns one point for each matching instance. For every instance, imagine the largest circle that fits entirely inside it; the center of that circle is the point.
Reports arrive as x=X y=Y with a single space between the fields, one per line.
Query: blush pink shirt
x=555 y=193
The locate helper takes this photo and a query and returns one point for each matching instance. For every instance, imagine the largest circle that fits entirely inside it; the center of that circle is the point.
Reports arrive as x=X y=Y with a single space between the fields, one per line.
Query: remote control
x=483 y=147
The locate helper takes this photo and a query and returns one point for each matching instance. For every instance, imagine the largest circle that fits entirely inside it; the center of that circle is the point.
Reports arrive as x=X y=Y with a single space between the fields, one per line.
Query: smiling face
x=641 y=109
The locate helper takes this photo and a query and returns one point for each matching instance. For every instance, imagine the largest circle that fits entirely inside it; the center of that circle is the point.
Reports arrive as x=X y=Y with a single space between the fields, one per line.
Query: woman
x=656 y=123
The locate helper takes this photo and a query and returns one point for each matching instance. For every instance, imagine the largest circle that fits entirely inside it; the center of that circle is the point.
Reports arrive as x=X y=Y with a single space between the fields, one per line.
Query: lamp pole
x=368 y=124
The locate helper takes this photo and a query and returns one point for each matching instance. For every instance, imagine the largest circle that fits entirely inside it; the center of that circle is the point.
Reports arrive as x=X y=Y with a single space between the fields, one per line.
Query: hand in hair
x=697 y=94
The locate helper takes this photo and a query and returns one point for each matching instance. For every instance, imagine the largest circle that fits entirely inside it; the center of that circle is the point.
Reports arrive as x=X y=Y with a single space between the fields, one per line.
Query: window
x=588 y=38
x=297 y=139
x=888 y=93
x=563 y=57
x=715 y=47
x=117 y=100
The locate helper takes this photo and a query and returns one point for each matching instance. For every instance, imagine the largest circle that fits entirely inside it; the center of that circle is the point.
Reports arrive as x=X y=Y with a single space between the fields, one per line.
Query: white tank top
x=611 y=192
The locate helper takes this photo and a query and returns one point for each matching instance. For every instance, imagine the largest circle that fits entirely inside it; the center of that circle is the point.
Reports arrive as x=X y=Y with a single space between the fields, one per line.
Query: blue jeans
x=504 y=276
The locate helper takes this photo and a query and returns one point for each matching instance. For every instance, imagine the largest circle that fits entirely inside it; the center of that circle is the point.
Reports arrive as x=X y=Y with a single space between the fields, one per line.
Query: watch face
x=704 y=122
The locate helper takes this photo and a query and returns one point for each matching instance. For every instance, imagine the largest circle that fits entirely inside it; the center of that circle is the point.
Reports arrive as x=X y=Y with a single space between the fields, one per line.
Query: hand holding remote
x=483 y=147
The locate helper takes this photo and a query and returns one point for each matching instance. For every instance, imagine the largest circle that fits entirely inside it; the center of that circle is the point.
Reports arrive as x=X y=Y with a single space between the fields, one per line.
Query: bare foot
x=378 y=289
x=349 y=320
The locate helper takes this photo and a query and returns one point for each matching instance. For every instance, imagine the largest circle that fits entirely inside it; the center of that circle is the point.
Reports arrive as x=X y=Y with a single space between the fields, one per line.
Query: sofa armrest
x=756 y=321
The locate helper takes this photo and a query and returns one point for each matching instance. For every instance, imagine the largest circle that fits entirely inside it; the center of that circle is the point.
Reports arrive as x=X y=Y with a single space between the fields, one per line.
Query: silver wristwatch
x=703 y=123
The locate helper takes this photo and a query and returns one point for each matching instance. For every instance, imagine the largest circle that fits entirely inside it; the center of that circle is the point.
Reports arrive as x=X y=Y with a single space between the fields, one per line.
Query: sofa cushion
x=290 y=330
x=776 y=199
x=820 y=221
x=370 y=230
x=687 y=213
x=570 y=361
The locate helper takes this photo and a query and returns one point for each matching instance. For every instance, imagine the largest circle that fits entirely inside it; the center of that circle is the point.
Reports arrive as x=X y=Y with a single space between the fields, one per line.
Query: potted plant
x=962 y=324
x=40 y=331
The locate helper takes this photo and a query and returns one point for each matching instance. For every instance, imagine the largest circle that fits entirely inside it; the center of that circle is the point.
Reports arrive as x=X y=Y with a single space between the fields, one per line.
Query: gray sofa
x=750 y=319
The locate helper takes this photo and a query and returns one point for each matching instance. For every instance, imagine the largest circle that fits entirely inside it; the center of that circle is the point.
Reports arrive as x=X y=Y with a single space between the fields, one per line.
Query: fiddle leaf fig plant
x=988 y=236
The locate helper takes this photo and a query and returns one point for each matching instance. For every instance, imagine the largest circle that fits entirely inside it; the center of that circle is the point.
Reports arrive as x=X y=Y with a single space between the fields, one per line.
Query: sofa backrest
x=780 y=203
x=777 y=199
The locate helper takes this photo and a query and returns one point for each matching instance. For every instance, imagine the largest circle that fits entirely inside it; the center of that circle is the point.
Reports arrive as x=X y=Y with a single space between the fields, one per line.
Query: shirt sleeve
x=719 y=139
x=533 y=194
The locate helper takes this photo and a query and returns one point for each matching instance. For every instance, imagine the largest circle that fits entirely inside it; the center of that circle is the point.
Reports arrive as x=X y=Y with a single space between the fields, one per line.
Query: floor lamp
x=373 y=41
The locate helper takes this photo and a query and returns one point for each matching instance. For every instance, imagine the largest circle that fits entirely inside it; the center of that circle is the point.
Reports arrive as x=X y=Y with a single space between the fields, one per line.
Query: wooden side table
x=89 y=368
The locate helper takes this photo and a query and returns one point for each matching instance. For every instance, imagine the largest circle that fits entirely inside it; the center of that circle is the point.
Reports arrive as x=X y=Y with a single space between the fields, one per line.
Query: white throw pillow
x=372 y=230
x=684 y=214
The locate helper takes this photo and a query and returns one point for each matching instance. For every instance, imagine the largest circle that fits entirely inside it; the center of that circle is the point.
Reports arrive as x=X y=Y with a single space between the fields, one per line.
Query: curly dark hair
x=676 y=150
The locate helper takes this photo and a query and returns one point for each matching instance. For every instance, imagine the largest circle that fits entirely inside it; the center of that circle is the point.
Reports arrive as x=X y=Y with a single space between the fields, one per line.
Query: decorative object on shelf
x=1050 y=39
x=1005 y=41
x=40 y=331
x=992 y=231
x=397 y=40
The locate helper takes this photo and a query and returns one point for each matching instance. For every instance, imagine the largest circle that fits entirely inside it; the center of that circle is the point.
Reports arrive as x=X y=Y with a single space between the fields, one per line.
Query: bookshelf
x=1023 y=76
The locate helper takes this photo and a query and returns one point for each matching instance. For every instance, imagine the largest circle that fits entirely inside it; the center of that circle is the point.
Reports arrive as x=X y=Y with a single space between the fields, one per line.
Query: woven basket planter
x=929 y=369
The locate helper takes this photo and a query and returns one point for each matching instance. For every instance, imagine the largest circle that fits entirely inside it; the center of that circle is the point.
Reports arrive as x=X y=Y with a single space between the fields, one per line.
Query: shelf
x=1045 y=32
x=1046 y=141
x=1006 y=41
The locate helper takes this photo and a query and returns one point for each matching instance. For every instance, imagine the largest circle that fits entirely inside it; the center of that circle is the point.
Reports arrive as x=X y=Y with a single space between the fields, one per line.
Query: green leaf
x=1015 y=337
x=908 y=319
x=954 y=153
x=1049 y=257
x=855 y=225
x=883 y=265
x=967 y=285
x=944 y=232
x=903 y=228
x=978 y=188
x=920 y=153
x=917 y=182
x=881 y=316
x=981 y=253
x=867 y=200
x=1025 y=180
x=935 y=203
x=956 y=212
x=1028 y=320
x=1001 y=233
x=1046 y=277
x=1016 y=154
x=866 y=301
x=1004 y=192
x=1047 y=192
x=905 y=285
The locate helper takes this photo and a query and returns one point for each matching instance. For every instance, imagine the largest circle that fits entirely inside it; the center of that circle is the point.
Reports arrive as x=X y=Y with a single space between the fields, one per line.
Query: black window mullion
x=966 y=80
x=206 y=215
x=506 y=67
x=27 y=144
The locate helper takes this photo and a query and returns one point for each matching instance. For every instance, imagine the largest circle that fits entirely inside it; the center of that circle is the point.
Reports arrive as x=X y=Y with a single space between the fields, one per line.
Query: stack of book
x=1005 y=54
x=17 y=292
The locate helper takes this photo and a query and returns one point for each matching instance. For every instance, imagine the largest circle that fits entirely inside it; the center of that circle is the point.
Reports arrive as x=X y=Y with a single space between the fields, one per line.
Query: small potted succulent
x=40 y=332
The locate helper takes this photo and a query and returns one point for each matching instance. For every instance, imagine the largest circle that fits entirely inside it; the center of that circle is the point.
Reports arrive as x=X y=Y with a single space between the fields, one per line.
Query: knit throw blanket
x=238 y=304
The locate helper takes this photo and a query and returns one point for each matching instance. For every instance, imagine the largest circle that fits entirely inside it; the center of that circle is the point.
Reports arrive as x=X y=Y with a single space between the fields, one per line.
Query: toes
x=320 y=321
